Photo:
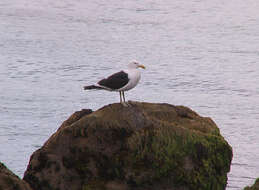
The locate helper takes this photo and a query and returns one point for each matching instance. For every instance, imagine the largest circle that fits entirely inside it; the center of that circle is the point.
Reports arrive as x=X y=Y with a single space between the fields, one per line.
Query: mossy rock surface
x=253 y=187
x=142 y=147
x=9 y=181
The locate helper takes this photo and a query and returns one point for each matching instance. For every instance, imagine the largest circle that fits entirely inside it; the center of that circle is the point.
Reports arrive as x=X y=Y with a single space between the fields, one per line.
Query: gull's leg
x=126 y=103
x=120 y=97
x=123 y=95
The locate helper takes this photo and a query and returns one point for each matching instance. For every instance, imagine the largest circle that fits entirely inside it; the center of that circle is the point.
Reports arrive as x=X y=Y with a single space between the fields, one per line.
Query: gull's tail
x=92 y=87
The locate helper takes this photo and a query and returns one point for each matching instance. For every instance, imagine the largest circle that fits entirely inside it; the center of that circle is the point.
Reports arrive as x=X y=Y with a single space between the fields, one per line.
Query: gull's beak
x=142 y=66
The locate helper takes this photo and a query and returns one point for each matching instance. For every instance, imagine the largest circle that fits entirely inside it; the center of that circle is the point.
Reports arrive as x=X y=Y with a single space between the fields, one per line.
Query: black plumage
x=91 y=87
x=115 y=81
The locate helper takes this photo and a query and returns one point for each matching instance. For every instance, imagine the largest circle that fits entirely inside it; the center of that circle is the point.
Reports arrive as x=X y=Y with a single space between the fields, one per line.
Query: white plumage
x=134 y=77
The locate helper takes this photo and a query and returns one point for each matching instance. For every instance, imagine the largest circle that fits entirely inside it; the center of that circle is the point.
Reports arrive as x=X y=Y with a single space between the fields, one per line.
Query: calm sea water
x=201 y=54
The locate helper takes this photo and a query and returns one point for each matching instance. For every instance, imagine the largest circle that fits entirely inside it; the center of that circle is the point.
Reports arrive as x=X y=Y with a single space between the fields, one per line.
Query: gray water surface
x=201 y=54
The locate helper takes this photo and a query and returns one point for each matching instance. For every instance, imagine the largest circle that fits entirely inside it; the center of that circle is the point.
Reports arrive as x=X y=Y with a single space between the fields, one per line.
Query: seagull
x=121 y=81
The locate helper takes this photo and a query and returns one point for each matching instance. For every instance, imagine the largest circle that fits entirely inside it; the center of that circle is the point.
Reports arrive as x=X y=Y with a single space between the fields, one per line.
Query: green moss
x=255 y=186
x=179 y=150
x=166 y=151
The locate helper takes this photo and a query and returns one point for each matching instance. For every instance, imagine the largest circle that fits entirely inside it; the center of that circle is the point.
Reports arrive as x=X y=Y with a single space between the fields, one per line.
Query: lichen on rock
x=142 y=147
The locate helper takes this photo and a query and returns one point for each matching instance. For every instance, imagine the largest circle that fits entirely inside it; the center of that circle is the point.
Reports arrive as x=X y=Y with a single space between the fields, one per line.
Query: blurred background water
x=201 y=54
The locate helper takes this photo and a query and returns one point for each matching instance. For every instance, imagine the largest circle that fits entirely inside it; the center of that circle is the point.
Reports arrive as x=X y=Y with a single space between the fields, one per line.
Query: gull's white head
x=135 y=65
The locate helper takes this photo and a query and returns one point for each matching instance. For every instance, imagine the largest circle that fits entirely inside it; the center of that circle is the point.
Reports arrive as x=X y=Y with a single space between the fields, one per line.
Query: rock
x=9 y=181
x=253 y=187
x=74 y=117
x=142 y=147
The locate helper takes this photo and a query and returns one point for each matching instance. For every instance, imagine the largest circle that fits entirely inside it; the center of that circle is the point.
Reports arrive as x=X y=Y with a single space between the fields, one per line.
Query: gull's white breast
x=134 y=77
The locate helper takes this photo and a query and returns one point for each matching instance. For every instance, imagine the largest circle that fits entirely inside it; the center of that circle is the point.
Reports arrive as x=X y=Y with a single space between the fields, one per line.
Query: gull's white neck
x=134 y=76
